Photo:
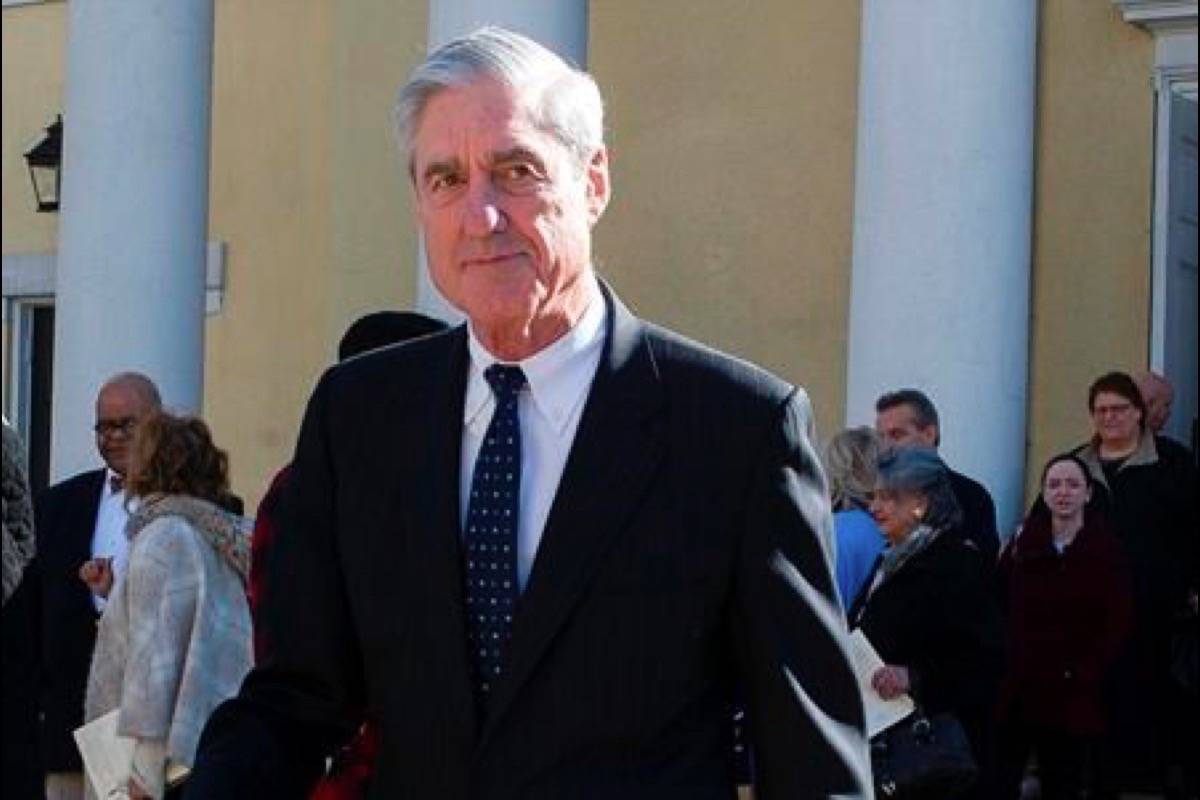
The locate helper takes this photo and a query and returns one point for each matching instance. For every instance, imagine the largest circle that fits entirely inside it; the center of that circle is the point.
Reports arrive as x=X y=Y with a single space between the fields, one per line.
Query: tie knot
x=117 y=482
x=505 y=379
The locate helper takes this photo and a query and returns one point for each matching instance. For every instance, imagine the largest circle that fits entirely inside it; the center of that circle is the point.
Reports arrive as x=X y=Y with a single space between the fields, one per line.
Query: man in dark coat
x=82 y=520
x=541 y=549
x=1146 y=485
x=906 y=418
x=368 y=332
x=353 y=765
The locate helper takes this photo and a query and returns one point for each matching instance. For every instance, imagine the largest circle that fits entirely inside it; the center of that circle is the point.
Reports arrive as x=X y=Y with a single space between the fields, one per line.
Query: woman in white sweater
x=175 y=639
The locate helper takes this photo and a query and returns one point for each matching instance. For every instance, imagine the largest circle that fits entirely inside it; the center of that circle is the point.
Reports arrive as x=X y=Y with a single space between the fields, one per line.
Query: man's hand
x=98 y=575
x=891 y=681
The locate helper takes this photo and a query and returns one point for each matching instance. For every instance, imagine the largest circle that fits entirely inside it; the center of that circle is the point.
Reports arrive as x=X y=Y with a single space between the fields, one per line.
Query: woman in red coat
x=1064 y=582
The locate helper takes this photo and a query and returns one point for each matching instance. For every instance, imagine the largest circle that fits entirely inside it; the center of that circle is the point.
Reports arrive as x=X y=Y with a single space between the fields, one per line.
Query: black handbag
x=923 y=756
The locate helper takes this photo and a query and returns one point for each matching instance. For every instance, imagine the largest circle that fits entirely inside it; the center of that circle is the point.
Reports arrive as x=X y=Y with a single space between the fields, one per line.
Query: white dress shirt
x=108 y=537
x=549 y=409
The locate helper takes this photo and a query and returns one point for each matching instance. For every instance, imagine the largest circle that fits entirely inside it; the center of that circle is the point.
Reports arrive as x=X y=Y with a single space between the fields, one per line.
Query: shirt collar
x=559 y=375
x=108 y=488
x=1146 y=453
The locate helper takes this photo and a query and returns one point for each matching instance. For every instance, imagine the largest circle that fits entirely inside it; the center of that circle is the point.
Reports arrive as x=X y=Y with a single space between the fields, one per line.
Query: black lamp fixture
x=45 y=165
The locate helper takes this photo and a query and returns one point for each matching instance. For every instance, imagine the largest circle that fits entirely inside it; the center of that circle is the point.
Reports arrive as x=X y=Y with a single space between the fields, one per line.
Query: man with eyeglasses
x=81 y=534
x=908 y=418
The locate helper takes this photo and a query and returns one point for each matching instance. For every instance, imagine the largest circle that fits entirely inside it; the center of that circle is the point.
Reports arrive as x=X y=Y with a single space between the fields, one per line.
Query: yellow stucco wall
x=33 y=41
x=732 y=127
x=310 y=200
x=306 y=193
x=269 y=204
x=1091 y=254
x=376 y=45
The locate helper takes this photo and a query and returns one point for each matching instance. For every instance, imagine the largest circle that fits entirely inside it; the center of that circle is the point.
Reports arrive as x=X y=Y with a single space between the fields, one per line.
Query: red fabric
x=352 y=768
x=266 y=526
x=1067 y=617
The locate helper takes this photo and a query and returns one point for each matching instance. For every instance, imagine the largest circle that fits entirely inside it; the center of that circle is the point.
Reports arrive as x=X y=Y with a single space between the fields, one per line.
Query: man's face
x=1158 y=404
x=119 y=408
x=898 y=427
x=506 y=211
x=1117 y=421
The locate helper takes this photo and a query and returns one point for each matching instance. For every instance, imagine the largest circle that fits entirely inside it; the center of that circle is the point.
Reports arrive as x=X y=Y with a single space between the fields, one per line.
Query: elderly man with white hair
x=547 y=549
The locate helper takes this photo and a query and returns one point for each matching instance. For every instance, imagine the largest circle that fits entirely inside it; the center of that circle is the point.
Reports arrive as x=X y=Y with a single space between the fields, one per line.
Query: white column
x=942 y=217
x=133 y=225
x=560 y=25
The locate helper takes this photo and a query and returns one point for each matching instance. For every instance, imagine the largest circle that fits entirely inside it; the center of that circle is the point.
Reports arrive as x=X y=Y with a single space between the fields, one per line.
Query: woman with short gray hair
x=929 y=616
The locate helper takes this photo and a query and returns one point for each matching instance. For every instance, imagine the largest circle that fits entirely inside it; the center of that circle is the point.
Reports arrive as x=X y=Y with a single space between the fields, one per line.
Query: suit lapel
x=433 y=515
x=616 y=451
x=83 y=525
x=436 y=511
x=80 y=530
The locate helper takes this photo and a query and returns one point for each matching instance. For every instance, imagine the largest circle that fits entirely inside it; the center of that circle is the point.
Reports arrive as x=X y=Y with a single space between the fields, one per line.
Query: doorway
x=32 y=363
x=1174 y=339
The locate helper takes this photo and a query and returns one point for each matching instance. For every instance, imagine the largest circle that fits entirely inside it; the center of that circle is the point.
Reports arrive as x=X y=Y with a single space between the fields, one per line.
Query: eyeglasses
x=1116 y=410
x=111 y=427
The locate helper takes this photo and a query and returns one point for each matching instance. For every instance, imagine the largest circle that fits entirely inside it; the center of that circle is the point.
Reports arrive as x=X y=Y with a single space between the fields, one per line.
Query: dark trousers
x=1061 y=759
x=21 y=775
x=1133 y=756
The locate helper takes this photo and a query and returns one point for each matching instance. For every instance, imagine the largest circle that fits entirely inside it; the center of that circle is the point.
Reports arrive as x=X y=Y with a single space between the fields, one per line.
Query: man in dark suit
x=541 y=549
x=907 y=417
x=82 y=521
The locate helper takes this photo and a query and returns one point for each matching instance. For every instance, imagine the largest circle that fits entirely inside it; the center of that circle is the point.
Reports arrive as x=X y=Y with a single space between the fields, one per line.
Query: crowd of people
x=141 y=595
x=1056 y=655
x=1069 y=659
x=611 y=538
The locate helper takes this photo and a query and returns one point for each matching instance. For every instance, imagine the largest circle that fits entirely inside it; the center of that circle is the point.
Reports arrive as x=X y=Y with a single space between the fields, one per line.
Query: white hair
x=569 y=106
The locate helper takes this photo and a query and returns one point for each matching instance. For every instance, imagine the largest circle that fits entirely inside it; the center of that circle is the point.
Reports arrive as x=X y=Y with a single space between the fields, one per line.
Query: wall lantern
x=45 y=165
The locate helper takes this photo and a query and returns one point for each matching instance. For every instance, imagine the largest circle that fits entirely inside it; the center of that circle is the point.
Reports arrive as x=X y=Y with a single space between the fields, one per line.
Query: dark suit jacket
x=683 y=551
x=65 y=518
x=979 y=517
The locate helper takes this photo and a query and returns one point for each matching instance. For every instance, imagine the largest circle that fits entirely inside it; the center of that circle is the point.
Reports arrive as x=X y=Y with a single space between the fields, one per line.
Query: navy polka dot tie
x=491 y=534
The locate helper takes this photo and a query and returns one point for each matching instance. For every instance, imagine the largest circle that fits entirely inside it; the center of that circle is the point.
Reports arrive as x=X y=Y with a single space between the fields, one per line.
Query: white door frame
x=1172 y=23
x=1170 y=79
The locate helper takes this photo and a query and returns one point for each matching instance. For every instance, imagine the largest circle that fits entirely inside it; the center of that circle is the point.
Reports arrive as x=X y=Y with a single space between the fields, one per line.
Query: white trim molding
x=1159 y=15
x=214 y=278
x=28 y=275
x=32 y=275
x=1173 y=23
